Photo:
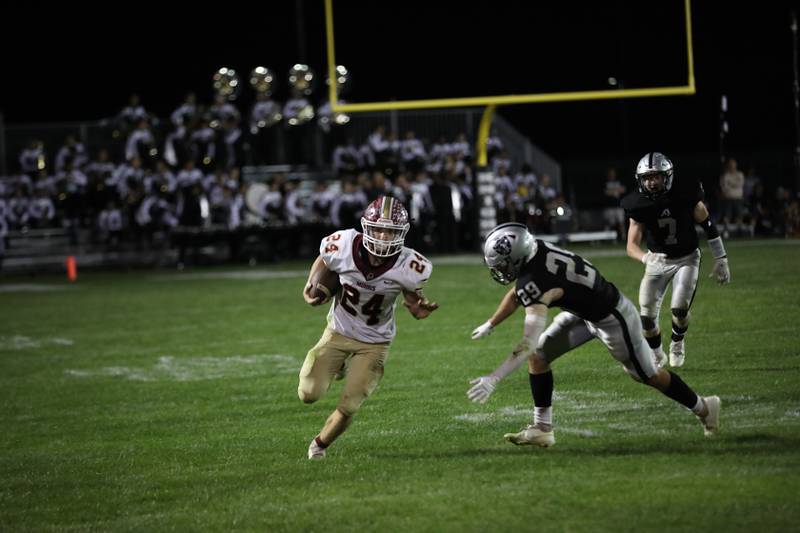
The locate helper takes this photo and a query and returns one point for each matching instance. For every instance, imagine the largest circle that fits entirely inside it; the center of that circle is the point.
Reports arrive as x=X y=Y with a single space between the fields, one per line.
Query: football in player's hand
x=324 y=284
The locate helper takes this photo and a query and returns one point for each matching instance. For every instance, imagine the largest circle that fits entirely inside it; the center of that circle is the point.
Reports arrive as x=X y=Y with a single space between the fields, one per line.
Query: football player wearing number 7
x=667 y=213
x=547 y=276
x=374 y=268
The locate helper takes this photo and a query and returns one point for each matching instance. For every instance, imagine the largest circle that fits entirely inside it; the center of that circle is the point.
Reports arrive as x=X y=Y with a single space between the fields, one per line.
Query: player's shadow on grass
x=750 y=444
x=767 y=443
x=736 y=370
x=451 y=454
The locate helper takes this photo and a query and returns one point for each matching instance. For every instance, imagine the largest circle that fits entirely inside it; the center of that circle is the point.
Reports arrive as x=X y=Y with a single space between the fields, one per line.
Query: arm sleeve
x=534 y=326
x=710 y=228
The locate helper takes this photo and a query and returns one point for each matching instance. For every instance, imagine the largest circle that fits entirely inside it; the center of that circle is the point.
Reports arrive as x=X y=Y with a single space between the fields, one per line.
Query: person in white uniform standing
x=374 y=268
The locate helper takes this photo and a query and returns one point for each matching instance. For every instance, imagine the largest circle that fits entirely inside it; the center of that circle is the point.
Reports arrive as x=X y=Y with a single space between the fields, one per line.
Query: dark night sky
x=83 y=70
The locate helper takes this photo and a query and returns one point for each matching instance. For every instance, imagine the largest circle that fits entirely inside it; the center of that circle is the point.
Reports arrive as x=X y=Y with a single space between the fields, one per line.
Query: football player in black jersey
x=666 y=211
x=547 y=276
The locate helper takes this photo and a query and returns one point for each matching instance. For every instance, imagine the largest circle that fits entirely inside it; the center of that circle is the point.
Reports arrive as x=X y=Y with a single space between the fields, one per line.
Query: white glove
x=655 y=263
x=482 y=388
x=721 y=271
x=483 y=330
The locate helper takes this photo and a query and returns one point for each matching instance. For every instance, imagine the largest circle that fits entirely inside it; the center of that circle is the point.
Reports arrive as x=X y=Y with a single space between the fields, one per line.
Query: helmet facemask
x=654 y=163
x=383 y=238
x=504 y=271
x=655 y=192
x=385 y=224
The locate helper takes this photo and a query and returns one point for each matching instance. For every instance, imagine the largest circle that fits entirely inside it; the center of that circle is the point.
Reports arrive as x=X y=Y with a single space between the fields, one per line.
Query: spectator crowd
x=155 y=177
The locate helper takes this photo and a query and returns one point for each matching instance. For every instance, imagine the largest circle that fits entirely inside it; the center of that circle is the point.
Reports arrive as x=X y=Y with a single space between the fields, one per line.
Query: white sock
x=543 y=416
x=700 y=406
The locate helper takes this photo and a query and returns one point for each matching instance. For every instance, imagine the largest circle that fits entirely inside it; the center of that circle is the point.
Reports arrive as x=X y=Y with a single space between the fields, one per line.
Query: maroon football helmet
x=385 y=224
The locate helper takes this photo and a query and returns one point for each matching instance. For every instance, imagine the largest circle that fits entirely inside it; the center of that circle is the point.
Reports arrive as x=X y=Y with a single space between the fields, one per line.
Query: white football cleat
x=531 y=435
x=315 y=451
x=660 y=356
x=711 y=420
x=676 y=354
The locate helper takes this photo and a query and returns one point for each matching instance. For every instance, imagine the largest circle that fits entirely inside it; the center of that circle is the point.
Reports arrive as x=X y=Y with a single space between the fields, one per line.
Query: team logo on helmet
x=506 y=250
x=503 y=245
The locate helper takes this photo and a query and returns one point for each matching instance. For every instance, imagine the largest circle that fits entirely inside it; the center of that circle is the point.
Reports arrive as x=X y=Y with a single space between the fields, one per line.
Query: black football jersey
x=586 y=293
x=669 y=219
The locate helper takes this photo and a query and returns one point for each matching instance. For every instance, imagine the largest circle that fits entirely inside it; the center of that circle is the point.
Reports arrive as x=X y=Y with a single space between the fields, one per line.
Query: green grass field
x=154 y=401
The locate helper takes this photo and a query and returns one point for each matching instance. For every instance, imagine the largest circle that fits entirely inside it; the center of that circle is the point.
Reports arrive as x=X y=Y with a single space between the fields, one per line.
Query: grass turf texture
x=167 y=401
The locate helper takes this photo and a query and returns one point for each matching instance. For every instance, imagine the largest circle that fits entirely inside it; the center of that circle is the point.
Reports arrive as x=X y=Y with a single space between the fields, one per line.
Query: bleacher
x=46 y=250
x=42 y=250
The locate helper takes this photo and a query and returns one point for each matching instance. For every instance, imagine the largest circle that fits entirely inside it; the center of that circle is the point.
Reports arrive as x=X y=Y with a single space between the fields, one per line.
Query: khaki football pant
x=365 y=363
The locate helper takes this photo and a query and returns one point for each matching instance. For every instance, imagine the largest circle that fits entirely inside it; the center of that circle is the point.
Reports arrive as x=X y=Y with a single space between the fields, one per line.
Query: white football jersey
x=364 y=308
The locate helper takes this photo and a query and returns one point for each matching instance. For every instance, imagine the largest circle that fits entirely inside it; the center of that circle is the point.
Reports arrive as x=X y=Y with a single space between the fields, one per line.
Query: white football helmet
x=654 y=163
x=385 y=224
x=507 y=248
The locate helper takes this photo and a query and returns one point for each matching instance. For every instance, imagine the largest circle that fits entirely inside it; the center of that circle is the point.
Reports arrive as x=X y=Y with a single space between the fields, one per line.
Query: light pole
x=723 y=127
x=796 y=91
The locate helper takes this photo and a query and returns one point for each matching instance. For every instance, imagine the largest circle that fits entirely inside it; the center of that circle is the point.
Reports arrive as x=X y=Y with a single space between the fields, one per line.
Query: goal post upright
x=485 y=178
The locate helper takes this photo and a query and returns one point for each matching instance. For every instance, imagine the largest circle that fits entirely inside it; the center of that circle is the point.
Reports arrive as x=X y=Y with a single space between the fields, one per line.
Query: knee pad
x=648 y=324
x=307 y=392
x=306 y=396
x=679 y=313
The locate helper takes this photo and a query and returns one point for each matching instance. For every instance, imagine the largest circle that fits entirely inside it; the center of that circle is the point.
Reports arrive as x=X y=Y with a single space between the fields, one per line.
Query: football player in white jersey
x=374 y=268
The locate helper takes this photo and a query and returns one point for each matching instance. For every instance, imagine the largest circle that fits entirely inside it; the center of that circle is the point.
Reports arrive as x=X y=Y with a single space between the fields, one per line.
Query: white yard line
x=233 y=274
x=33 y=287
x=22 y=342
x=169 y=368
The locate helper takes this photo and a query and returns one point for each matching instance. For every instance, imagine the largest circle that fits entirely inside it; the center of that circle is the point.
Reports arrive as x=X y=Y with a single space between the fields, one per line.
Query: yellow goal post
x=491 y=102
x=485 y=179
